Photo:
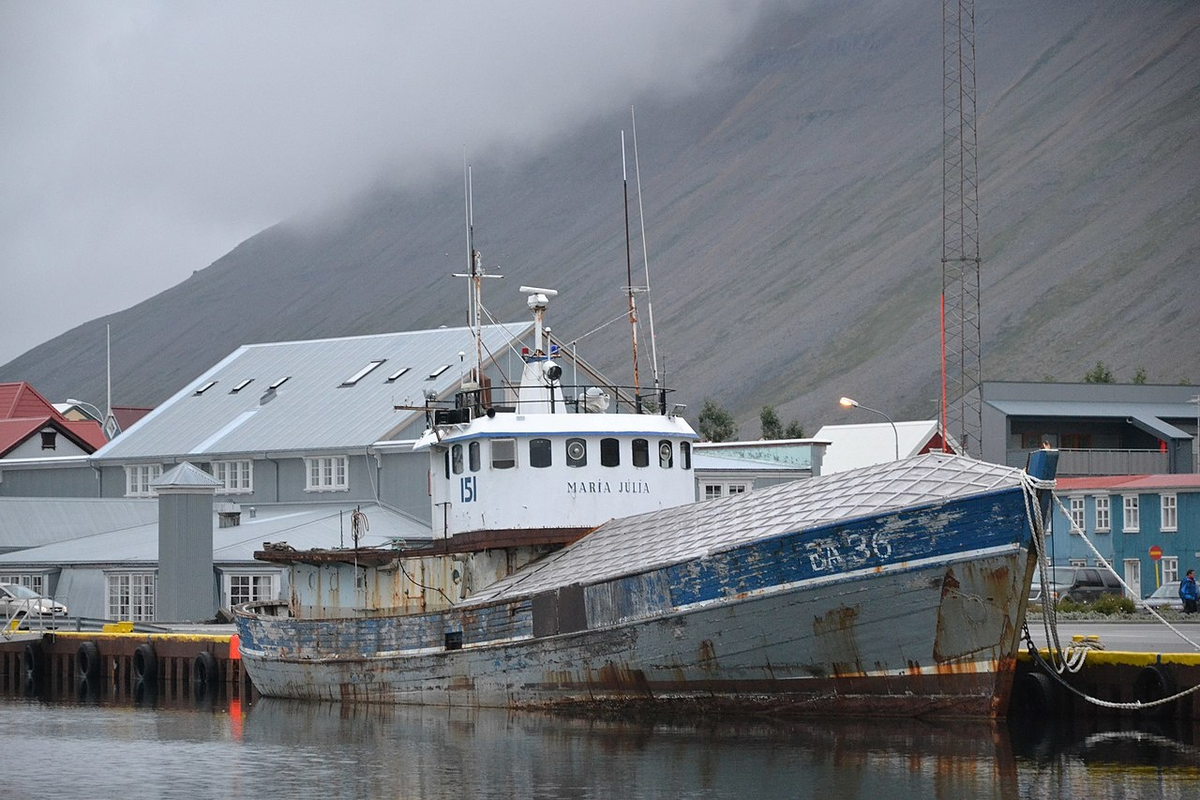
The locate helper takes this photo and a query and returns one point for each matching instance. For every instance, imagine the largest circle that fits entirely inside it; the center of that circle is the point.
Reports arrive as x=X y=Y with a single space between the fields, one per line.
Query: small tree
x=772 y=428
x=716 y=424
x=794 y=430
x=1099 y=374
x=1139 y=377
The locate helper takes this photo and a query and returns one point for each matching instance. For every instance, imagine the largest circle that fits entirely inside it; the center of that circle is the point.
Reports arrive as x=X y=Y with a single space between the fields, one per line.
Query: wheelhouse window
x=1103 y=514
x=473 y=459
x=576 y=452
x=685 y=455
x=666 y=454
x=504 y=453
x=1131 y=521
x=130 y=596
x=1170 y=512
x=138 y=478
x=236 y=476
x=539 y=453
x=641 y=453
x=610 y=452
x=456 y=459
x=326 y=474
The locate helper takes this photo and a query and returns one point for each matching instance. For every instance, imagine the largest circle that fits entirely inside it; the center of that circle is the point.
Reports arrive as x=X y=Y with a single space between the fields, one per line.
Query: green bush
x=1107 y=604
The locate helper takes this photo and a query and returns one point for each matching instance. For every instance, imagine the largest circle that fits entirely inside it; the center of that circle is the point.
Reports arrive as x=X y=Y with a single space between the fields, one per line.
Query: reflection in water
x=214 y=746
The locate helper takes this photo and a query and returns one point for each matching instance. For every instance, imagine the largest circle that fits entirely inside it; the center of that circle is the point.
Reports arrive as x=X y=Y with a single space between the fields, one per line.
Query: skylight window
x=206 y=387
x=241 y=386
x=391 y=378
x=362 y=373
x=438 y=371
x=279 y=382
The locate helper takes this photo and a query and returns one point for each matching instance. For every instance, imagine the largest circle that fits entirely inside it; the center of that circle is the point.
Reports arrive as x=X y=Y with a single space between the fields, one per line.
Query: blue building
x=1146 y=526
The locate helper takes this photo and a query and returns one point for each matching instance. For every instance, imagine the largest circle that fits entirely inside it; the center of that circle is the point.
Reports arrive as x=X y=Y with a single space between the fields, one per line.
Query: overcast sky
x=140 y=141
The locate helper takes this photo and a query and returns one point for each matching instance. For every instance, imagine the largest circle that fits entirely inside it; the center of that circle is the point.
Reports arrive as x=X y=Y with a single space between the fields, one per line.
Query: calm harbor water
x=184 y=747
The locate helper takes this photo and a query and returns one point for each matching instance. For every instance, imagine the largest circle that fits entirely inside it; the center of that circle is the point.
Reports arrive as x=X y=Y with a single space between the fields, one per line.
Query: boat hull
x=913 y=613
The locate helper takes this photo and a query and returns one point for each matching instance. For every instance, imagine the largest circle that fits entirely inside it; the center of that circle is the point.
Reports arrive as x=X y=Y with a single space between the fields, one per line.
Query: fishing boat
x=571 y=567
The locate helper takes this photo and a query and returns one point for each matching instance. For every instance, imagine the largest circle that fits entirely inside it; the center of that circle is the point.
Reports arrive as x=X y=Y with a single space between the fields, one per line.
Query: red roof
x=1130 y=482
x=24 y=412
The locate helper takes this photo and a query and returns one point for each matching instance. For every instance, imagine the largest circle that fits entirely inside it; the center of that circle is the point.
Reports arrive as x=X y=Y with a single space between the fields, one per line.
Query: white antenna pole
x=108 y=368
x=629 y=277
x=637 y=171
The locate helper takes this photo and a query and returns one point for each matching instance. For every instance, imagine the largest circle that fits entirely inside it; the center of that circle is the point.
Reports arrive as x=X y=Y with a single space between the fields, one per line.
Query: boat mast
x=637 y=173
x=629 y=277
x=475 y=274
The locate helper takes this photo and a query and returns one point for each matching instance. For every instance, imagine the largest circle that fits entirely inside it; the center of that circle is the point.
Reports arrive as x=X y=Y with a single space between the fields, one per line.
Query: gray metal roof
x=303 y=526
x=312 y=409
x=1151 y=415
x=34 y=521
x=636 y=544
x=184 y=475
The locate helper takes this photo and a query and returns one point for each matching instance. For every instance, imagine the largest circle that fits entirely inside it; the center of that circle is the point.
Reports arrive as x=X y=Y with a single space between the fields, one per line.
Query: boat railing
x=576 y=398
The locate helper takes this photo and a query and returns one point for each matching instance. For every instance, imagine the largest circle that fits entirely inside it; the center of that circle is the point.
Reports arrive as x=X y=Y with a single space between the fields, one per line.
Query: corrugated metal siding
x=312 y=411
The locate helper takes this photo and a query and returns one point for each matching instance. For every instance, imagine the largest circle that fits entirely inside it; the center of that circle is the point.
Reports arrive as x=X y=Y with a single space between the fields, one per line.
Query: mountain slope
x=793 y=213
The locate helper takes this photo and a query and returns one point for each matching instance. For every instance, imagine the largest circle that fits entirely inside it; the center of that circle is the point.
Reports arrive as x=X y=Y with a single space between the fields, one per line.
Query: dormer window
x=362 y=373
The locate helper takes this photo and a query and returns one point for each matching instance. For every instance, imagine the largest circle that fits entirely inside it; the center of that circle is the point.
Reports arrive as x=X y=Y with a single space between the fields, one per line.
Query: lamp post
x=846 y=402
x=108 y=423
x=99 y=413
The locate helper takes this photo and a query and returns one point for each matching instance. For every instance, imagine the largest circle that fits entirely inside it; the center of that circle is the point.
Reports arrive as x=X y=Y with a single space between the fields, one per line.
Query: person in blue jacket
x=1189 y=592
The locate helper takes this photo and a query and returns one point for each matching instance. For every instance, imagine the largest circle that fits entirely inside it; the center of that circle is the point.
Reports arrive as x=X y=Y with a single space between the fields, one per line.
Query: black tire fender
x=87 y=662
x=205 y=669
x=32 y=660
x=145 y=663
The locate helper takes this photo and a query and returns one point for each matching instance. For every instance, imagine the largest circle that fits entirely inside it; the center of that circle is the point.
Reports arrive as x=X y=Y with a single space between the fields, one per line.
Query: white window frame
x=255 y=586
x=31 y=580
x=1170 y=568
x=1077 y=515
x=716 y=489
x=1169 y=504
x=327 y=474
x=713 y=491
x=1077 y=562
x=130 y=595
x=138 y=478
x=1103 y=513
x=236 y=475
x=1131 y=513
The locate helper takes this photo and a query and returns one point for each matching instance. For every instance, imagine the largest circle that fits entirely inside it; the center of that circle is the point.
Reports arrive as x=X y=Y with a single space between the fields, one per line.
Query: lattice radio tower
x=961 y=340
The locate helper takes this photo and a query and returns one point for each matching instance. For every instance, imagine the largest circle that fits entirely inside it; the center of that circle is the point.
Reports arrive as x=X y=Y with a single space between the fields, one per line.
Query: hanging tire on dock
x=206 y=671
x=1035 y=695
x=87 y=662
x=32 y=660
x=1153 y=683
x=145 y=663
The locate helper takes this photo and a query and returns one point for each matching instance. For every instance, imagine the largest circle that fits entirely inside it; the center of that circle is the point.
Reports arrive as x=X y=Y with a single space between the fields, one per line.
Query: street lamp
x=108 y=423
x=846 y=402
x=99 y=414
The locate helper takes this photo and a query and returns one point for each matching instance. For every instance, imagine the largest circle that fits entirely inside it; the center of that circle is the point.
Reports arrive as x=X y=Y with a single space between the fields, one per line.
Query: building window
x=250 y=588
x=1103 y=523
x=130 y=596
x=32 y=581
x=610 y=453
x=736 y=488
x=1170 y=513
x=138 y=478
x=326 y=474
x=237 y=476
x=1170 y=569
x=1076 y=515
x=641 y=453
x=712 y=491
x=576 y=452
x=1077 y=562
x=504 y=453
x=49 y=440
x=1130 y=521
x=539 y=453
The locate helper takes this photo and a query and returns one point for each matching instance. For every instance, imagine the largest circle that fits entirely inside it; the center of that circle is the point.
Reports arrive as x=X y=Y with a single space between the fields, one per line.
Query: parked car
x=1165 y=596
x=18 y=601
x=1082 y=584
